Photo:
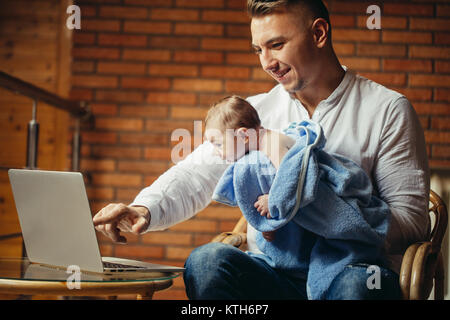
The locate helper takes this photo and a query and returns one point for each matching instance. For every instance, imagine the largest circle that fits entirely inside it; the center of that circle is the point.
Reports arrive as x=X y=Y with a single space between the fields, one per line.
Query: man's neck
x=311 y=96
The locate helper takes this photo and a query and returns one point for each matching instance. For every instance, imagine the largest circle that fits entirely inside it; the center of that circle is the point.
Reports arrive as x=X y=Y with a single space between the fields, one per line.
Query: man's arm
x=401 y=176
x=175 y=196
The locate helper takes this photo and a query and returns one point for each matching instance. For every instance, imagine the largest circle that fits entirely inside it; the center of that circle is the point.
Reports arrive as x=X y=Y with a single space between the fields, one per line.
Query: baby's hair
x=233 y=112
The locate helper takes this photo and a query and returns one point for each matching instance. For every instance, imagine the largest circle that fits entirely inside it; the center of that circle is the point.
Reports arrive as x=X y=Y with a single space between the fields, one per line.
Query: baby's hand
x=262 y=205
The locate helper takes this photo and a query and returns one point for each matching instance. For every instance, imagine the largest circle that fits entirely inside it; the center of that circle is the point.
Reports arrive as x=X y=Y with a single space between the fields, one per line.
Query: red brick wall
x=149 y=67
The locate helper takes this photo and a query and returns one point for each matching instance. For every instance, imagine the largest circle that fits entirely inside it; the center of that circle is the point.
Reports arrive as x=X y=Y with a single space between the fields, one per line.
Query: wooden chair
x=422 y=262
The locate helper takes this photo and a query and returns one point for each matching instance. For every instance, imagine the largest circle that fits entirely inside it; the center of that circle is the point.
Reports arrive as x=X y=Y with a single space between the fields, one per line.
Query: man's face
x=285 y=48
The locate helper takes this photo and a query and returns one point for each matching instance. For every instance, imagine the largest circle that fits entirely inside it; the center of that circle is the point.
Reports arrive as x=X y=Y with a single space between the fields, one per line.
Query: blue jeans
x=223 y=272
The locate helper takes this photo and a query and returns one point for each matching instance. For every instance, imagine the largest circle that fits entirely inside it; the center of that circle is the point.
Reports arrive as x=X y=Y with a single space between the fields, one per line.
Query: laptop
x=57 y=226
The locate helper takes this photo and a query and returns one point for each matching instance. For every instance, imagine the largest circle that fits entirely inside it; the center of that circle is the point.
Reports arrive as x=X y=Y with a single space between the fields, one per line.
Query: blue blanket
x=322 y=207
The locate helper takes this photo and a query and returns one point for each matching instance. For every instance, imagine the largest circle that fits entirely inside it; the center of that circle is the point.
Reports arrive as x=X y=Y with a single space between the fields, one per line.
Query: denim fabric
x=218 y=271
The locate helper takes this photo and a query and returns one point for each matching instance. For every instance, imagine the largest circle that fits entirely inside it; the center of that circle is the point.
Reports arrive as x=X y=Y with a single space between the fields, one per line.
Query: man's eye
x=277 y=45
x=257 y=51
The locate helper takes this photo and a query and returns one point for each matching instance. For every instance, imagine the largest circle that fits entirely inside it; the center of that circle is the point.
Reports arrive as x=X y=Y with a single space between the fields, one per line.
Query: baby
x=233 y=126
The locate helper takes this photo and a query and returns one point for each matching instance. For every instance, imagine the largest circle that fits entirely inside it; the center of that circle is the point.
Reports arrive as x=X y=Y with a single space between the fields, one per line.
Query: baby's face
x=227 y=145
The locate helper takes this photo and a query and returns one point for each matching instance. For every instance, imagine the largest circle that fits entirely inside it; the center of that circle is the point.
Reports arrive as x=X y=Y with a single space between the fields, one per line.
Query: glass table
x=20 y=276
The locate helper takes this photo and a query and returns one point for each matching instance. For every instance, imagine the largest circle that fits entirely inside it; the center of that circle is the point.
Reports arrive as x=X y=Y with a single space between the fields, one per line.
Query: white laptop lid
x=55 y=218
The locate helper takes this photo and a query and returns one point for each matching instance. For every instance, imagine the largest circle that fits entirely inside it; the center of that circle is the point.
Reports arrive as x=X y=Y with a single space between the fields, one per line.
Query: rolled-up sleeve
x=183 y=190
x=401 y=176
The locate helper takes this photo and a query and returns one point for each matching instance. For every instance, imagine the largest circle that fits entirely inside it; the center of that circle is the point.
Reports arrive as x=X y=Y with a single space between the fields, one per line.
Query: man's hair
x=233 y=112
x=258 y=8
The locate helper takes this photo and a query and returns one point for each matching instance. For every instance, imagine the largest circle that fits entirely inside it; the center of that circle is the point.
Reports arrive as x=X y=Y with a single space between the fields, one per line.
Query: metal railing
x=78 y=109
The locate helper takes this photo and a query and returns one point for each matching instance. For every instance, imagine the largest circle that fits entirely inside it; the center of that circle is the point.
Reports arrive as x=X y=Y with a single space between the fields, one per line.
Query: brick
x=381 y=50
x=349 y=7
x=145 y=83
x=365 y=64
x=433 y=108
x=408 y=9
x=226 y=44
x=442 y=95
x=339 y=20
x=198 y=57
x=175 y=42
x=168 y=126
x=439 y=151
x=147 y=111
x=179 y=253
x=119 y=96
x=387 y=79
x=156 y=3
x=97 y=165
x=174 y=14
x=116 y=179
x=433 y=24
x=248 y=87
x=100 y=193
x=119 y=153
x=167 y=238
x=439 y=164
x=94 y=81
x=122 y=40
x=232 y=16
x=95 y=53
x=146 y=55
x=386 y=22
x=437 y=136
x=204 y=29
x=84 y=38
x=197 y=85
x=344 y=49
x=242 y=59
x=82 y=66
x=425 y=80
x=103 y=109
x=140 y=252
x=440 y=123
x=225 y=72
x=99 y=137
x=155 y=153
x=171 y=98
x=196 y=225
x=340 y=34
x=442 y=38
x=147 y=27
x=259 y=74
x=144 y=139
x=173 y=70
x=407 y=37
x=220 y=212
x=416 y=94
x=144 y=167
x=442 y=66
x=100 y=25
x=121 y=68
x=238 y=30
x=429 y=52
x=200 y=3
x=81 y=94
x=119 y=124
x=408 y=65
x=193 y=113
x=443 y=10
x=123 y=12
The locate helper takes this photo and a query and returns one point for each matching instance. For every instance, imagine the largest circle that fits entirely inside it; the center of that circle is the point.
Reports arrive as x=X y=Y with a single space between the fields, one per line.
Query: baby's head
x=231 y=125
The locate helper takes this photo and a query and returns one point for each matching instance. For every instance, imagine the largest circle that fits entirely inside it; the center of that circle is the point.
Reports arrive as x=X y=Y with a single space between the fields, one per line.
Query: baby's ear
x=242 y=133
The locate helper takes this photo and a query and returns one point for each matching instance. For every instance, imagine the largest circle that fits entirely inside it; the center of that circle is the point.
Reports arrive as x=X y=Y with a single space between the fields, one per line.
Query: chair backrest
x=439 y=210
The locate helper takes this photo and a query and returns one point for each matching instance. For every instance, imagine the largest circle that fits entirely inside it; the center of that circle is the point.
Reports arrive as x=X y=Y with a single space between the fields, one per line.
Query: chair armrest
x=236 y=239
x=418 y=270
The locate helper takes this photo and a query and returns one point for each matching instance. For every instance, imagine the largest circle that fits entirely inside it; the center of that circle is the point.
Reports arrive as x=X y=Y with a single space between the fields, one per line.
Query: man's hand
x=262 y=206
x=117 y=217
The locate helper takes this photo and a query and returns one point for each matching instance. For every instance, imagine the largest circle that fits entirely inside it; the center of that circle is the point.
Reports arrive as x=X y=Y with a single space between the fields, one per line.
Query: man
x=364 y=121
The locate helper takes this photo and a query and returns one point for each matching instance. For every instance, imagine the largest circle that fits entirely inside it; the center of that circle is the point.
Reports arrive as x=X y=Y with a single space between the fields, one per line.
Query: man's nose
x=268 y=61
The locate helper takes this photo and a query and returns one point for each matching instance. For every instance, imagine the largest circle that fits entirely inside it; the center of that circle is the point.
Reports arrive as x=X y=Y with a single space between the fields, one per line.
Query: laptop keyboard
x=120 y=266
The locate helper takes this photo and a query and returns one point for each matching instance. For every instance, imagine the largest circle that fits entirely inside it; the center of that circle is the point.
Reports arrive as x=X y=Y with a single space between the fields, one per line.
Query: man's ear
x=321 y=32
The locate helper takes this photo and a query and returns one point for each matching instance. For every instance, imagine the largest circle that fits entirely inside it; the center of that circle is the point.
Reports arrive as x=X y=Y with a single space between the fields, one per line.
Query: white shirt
x=361 y=120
